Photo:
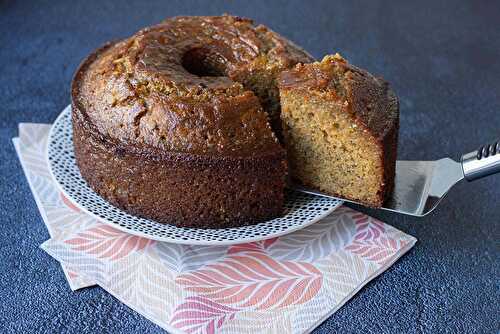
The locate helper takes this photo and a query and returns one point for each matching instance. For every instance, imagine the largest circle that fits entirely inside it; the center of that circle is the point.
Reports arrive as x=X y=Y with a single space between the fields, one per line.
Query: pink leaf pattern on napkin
x=248 y=279
x=254 y=280
x=371 y=241
x=72 y=274
x=106 y=242
x=201 y=315
x=68 y=203
x=258 y=246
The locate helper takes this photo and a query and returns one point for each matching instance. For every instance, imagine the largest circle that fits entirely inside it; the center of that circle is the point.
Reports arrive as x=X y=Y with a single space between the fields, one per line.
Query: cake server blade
x=421 y=185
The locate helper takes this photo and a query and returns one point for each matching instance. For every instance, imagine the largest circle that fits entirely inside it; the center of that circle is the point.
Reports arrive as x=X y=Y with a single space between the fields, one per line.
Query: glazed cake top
x=368 y=98
x=180 y=86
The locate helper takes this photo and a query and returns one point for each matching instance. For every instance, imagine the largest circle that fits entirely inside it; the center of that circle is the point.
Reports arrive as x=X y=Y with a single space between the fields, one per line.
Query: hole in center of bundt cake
x=204 y=62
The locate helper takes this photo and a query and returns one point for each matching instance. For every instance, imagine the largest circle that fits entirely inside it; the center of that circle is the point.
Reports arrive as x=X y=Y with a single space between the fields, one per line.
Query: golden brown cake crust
x=166 y=139
x=367 y=98
x=140 y=90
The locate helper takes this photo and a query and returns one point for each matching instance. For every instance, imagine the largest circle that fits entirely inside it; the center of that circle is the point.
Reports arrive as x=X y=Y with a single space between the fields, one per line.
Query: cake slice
x=340 y=127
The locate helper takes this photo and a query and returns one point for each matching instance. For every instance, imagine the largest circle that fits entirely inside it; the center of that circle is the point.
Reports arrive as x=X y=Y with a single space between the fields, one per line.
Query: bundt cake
x=172 y=124
x=340 y=127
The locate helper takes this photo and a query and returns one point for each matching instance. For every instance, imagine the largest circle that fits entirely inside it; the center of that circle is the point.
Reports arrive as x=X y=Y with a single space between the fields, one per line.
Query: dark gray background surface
x=441 y=57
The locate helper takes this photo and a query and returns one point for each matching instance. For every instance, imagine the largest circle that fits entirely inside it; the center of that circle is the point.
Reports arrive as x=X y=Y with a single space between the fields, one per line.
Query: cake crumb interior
x=327 y=150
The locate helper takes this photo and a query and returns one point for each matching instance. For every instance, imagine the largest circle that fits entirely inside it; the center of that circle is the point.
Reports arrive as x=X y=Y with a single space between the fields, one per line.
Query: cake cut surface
x=340 y=127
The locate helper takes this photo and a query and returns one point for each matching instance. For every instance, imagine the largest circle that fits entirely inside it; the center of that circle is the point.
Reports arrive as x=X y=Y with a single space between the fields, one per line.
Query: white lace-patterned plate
x=301 y=209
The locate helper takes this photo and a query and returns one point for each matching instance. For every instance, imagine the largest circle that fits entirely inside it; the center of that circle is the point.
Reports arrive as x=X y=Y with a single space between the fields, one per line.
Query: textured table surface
x=442 y=59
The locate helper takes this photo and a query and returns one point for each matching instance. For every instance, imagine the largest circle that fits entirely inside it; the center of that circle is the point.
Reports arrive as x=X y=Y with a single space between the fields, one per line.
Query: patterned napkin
x=288 y=284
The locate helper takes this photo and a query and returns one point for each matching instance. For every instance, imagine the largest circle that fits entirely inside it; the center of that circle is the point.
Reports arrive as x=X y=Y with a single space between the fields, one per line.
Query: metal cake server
x=421 y=185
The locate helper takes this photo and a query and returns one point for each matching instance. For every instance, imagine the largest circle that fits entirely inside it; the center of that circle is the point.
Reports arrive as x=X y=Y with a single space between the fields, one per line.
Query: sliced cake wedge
x=340 y=127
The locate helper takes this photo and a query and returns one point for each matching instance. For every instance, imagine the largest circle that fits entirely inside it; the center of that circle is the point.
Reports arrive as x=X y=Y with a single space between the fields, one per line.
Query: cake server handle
x=482 y=162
